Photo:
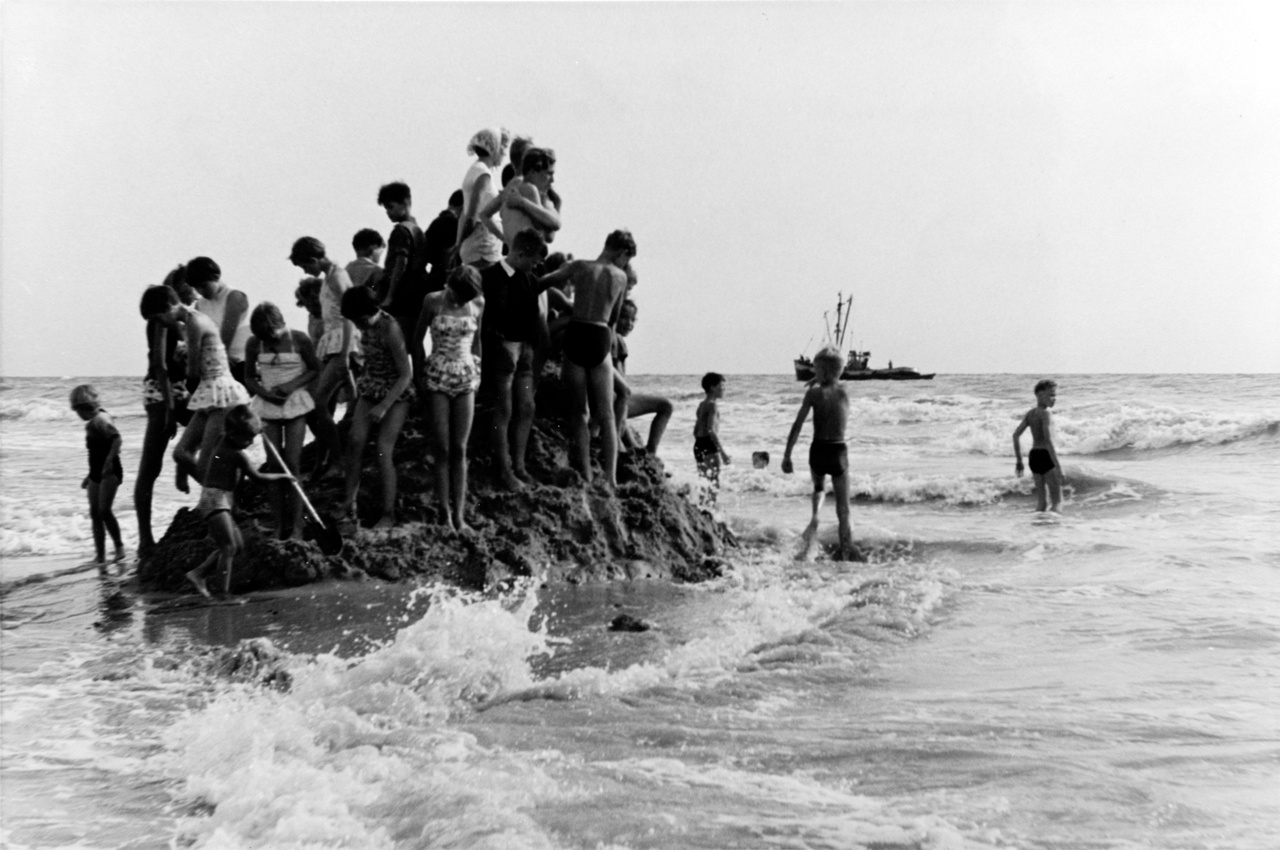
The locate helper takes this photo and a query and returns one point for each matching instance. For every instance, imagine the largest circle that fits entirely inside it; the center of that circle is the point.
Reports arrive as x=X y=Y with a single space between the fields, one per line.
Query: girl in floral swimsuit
x=449 y=380
x=386 y=390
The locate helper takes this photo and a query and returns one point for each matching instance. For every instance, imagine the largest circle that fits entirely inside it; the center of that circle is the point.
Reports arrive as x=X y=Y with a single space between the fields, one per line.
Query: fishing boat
x=856 y=366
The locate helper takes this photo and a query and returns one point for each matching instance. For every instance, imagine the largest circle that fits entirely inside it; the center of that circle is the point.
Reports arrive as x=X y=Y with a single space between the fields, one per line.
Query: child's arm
x=195 y=368
x=417 y=351
x=1017 y=446
x=475 y=337
x=242 y=462
x=396 y=265
x=527 y=198
x=404 y=371
x=158 y=336
x=307 y=350
x=1048 y=438
x=253 y=381
x=796 y=427
x=560 y=275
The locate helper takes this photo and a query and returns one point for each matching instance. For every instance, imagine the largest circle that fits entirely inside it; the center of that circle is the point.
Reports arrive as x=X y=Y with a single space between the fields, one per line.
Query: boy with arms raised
x=828 y=454
x=1043 y=457
x=599 y=288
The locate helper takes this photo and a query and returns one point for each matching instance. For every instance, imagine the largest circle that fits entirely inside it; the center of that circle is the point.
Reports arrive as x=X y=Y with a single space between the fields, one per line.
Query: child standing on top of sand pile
x=223 y=473
x=280 y=367
x=828 y=454
x=386 y=390
x=1043 y=457
x=105 y=471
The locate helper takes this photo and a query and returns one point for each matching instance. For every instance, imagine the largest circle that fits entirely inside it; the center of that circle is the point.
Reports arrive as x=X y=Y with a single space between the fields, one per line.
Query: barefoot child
x=105 y=472
x=226 y=466
x=280 y=367
x=827 y=453
x=707 y=450
x=1043 y=457
x=386 y=390
x=449 y=379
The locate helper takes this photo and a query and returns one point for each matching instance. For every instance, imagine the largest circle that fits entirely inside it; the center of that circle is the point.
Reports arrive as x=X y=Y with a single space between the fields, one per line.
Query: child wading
x=105 y=471
x=280 y=366
x=707 y=450
x=1043 y=457
x=828 y=454
x=226 y=466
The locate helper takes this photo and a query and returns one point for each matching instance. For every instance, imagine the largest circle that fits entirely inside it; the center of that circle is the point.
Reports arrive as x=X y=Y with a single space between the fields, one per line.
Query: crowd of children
x=480 y=284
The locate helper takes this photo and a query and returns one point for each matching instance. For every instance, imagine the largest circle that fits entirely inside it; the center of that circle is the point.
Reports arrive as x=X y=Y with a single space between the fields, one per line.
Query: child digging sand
x=828 y=454
x=105 y=470
x=1043 y=457
x=226 y=467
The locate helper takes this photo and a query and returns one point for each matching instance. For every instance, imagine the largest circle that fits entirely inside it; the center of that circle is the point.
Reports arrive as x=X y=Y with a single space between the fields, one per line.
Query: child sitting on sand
x=1043 y=457
x=707 y=450
x=105 y=471
x=828 y=454
x=227 y=465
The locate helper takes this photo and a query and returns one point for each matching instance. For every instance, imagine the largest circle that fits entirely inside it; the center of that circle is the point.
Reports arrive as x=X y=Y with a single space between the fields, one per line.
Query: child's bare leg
x=1054 y=482
x=600 y=401
x=355 y=455
x=154 y=441
x=500 y=437
x=106 y=499
x=223 y=531
x=295 y=432
x=439 y=423
x=332 y=375
x=184 y=454
x=213 y=427
x=95 y=518
x=388 y=433
x=576 y=378
x=840 y=488
x=197 y=576
x=1041 y=502
x=521 y=424
x=462 y=411
x=228 y=554
x=272 y=430
x=642 y=405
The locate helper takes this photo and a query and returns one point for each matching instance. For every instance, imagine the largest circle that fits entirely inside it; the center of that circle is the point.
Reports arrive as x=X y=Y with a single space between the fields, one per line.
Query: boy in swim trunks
x=828 y=454
x=1043 y=457
x=599 y=287
x=707 y=450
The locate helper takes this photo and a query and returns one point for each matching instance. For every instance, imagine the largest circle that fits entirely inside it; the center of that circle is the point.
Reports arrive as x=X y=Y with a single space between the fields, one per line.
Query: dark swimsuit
x=828 y=458
x=1040 y=461
x=587 y=344
x=98 y=439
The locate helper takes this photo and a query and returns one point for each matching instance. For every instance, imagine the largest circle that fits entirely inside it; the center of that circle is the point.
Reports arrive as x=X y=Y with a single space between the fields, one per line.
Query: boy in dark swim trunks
x=707 y=451
x=828 y=454
x=1043 y=457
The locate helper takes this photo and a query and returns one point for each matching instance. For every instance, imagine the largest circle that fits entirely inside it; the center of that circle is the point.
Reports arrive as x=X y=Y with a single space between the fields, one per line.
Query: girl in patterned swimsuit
x=449 y=379
x=386 y=390
x=164 y=397
x=280 y=367
x=207 y=364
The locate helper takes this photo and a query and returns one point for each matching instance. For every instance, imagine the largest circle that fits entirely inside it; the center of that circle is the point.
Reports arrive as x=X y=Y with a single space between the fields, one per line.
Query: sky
x=1025 y=187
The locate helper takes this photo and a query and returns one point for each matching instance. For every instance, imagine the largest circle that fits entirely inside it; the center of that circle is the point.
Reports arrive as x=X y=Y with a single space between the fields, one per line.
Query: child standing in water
x=707 y=450
x=280 y=366
x=105 y=471
x=828 y=454
x=226 y=466
x=1043 y=457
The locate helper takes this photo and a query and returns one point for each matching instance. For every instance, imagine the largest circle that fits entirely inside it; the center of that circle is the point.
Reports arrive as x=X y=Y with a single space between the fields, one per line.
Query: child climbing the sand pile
x=449 y=378
x=385 y=392
x=828 y=454
x=280 y=367
x=105 y=471
x=223 y=473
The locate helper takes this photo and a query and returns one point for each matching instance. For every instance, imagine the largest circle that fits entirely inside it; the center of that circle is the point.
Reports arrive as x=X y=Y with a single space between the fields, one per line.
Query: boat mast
x=839 y=325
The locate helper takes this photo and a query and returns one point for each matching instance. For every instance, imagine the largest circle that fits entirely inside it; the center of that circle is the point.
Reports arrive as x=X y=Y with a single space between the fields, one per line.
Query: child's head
x=307 y=295
x=202 y=274
x=621 y=246
x=307 y=254
x=267 y=322
x=455 y=200
x=487 y=144
x=367 y=242
x=463 y=284
x=177 y=281
x=1046 y=391
x=84 y=401
x=157 y=301
x=241 y=427
x=827 y=365
x=555 y=261
x=528 y=248
x=627 y=318
x=359 y=304
x=538 y=166
x=519 y=145
x=713 y=383
x=396 y=199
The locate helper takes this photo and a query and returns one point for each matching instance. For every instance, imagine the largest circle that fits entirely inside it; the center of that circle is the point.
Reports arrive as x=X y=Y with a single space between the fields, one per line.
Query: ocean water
x=992 y=678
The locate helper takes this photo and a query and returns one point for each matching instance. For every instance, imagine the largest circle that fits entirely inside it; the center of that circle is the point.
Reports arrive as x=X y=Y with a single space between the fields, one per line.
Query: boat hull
x=804 y=372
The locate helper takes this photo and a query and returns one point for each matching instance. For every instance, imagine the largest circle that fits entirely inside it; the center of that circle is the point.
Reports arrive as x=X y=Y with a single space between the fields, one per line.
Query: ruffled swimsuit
x=217 y=388
x=380 y=372
x=452 y=369
x=175 y=359
x=331 y=314
x=274 y=369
